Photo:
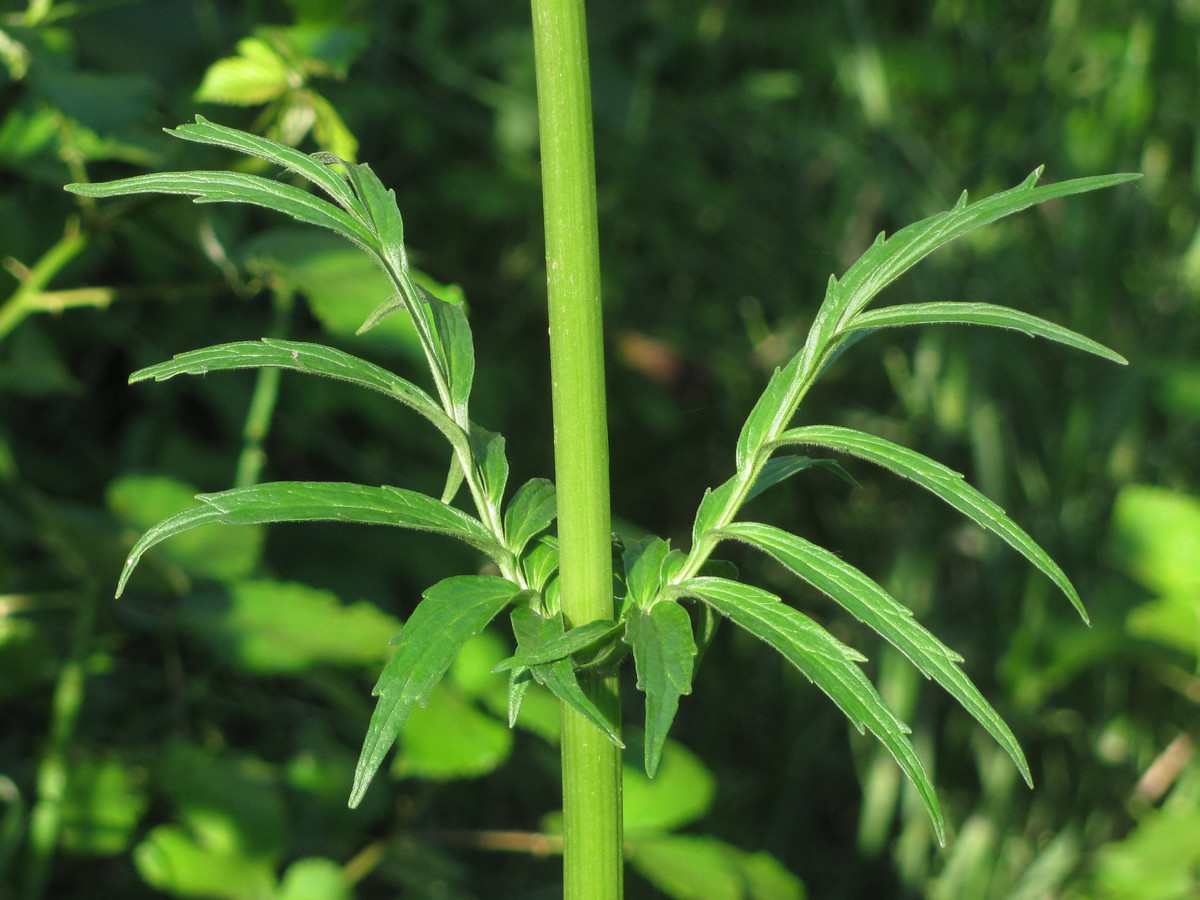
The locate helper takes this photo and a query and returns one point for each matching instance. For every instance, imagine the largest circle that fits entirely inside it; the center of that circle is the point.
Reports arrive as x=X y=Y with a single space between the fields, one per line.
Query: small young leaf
x=380 y=203
x=664 y=654
x=454 y=336
x=941 y=480
x=487 y=449
x=541 y=562
x=711 y=506
x=304 y=357
x=643 y=562
x=558 y=647
x=390 y=306
x=769 y=415
x=311 y=501
x=947 y=313
x=533 y=631
x=450 y=613
x=828 y=663
x=530 y=512
x=238 y=187
x=874 y=607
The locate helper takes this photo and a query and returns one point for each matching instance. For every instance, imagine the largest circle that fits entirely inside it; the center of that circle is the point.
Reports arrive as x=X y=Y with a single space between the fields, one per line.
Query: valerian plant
x=670 y=599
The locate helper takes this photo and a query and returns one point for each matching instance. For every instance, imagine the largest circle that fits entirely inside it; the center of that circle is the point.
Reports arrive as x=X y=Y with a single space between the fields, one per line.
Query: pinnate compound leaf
x=664 y=654
x=303 y=357
x=889 y=258
x=948 y=313
x=874 y=607
x=533 y=631
x=529 y=513
x=826 y=662
x=313 y=501
x=941 y=480
x=449 y=614
x=238 y=187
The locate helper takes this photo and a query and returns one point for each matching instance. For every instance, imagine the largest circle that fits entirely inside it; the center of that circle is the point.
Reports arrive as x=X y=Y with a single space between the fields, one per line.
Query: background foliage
x=201 y=731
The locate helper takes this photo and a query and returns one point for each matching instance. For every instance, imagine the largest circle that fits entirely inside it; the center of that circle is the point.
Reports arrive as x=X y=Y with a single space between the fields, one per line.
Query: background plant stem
x=591 y=764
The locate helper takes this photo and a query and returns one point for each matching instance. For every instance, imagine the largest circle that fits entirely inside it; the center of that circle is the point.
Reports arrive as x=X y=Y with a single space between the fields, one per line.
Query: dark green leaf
x=309 y=501
x=559 y=646
x=530 y=512
x=454 y=336
x=946 y=313
x=828 y=663
x=643 y=561
x=450 y=613
x=664 y=654
x=487 y=449
x=383 y=213
x=874 y=607
x=941 y=480
x=541 y=562
x=533 y=631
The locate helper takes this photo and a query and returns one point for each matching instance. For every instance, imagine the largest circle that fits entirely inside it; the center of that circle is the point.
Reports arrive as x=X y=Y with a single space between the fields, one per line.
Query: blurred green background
x=196 y=738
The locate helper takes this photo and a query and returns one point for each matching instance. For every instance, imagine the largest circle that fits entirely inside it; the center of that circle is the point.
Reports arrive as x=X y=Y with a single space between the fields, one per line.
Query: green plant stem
x=29 y=298
x=262 y=405
x=45 y=821
x=593 y=860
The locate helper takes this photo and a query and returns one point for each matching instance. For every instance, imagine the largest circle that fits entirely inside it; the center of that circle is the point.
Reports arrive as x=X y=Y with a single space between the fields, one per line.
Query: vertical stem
x=591 y=764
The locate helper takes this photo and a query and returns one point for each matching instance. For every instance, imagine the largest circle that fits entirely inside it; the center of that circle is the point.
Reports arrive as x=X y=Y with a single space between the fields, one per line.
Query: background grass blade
x=951 y=313
x=941 y=480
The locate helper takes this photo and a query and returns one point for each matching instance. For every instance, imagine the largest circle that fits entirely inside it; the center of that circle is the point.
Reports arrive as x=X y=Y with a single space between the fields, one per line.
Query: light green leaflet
x=947 y=313
x=827 y=663
x=304 y=357
x=309 y=501
x=941 y=480
x=874 y=607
